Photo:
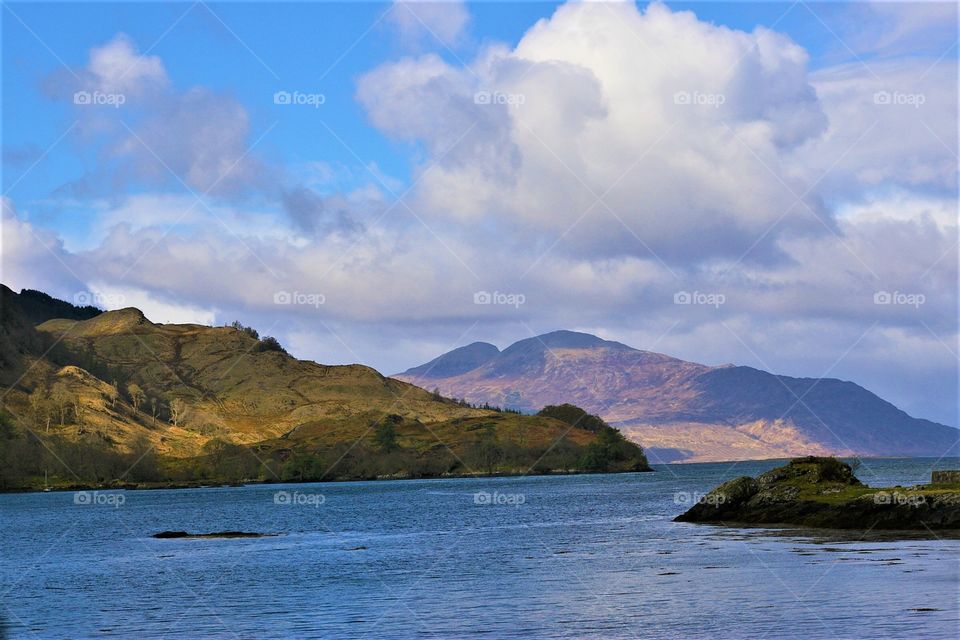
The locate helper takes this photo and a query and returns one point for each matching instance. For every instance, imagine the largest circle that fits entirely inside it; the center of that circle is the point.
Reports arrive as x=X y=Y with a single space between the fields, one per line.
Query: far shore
x=156 y=486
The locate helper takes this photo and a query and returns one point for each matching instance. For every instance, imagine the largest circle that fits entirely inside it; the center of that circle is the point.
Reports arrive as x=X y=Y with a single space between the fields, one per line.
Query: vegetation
x=40 y=307
x=270 y=343
x=395 y=447
x=575 y=416
x=610 y=450
x=267 y=343
x=824 y=492
x=116 y=400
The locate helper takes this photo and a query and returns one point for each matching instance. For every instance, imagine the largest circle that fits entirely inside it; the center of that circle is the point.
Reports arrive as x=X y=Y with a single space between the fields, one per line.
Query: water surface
x=561 y=557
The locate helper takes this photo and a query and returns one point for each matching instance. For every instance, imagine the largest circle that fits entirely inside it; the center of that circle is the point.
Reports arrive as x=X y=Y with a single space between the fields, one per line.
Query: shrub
x=574 y=416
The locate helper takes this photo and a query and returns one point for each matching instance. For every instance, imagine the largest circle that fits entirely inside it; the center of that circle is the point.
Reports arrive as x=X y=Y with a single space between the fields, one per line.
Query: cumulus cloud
x=198 y=137
x=610 y=159
x=892 y=123
x=665 y=135
x=33 y=257
x=117 y=66
x=142 y=131
x=440 y=21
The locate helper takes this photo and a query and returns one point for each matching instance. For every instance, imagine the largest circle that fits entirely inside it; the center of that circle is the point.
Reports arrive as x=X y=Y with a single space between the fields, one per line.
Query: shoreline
x=175 y=485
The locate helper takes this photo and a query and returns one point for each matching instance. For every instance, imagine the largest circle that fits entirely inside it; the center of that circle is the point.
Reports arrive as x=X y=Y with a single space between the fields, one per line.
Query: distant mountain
x=458 y=361
x=86 y=395
x=683 y=410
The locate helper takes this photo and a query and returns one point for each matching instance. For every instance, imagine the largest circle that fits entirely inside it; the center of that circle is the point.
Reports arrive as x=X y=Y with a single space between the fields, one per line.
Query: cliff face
x=823 y=492
x=683 y=410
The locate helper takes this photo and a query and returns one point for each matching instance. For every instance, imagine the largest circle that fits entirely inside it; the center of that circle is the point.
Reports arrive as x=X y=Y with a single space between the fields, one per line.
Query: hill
x=688 y=411
x=87 y=397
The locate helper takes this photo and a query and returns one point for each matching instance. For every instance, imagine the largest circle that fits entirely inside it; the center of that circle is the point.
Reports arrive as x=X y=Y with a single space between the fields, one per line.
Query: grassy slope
x=232 y=389
x=235 y=393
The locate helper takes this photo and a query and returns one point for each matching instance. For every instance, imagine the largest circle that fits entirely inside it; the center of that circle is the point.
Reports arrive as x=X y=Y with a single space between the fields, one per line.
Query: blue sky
x=256 y=48
x=796 y=190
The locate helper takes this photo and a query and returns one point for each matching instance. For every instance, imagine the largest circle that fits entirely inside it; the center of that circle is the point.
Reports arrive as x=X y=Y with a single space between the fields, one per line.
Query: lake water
x=565 y=557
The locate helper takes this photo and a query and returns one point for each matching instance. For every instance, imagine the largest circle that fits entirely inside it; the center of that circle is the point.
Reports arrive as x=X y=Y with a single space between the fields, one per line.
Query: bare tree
x=80 y=411
x=62 y=399
x=113 y=393
x=136 y=394
x=153 y=409
x=42 y=408
x=177 y=410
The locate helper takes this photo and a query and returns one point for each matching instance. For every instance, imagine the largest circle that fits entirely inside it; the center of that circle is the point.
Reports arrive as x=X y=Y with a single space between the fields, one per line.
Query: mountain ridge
x=688 y=411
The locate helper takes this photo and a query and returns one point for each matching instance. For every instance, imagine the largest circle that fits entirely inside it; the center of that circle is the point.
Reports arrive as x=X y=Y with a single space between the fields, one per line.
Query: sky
x=765 y=184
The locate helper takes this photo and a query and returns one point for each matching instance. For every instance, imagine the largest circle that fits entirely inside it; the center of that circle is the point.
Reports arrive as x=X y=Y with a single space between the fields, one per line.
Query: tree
x=611 y=450
x=137 y=396
x=485 y=452
x=153 y=409
x=250 y=331
x=80 y=411
x=42 y=408
x=143 y=464
x=269 y=343
x=386 y=437
x=178 y=409
x=113 y=394
x=574 y=416
x=62 y=399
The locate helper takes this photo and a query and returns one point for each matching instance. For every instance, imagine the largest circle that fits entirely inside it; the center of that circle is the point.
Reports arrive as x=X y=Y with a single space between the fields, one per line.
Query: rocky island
x=824 y=492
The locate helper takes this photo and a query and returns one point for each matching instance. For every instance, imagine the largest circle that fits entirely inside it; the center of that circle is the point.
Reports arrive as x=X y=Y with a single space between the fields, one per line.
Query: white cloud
x=156 y=135
x=440 y=21
x=891 y=123
x=682 y=126
x=33 y=257
x=585 y=103
x=118 y=67
x=112 y=297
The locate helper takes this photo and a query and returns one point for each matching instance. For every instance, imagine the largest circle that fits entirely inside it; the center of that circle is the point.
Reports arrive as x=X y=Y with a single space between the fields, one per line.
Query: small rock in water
x=216 y=534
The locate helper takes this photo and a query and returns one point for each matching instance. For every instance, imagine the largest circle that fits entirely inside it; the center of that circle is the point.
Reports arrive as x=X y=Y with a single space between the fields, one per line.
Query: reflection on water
x=570 y=556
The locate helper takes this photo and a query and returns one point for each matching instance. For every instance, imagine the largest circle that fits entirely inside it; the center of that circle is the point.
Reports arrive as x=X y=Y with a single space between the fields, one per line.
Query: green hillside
x=117 y=398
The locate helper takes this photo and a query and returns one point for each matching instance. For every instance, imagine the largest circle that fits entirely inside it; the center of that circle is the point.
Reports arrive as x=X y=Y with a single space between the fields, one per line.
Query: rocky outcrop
x=824 y=492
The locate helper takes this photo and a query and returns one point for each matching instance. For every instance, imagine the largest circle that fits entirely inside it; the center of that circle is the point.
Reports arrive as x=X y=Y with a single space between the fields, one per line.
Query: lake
x=582 y=556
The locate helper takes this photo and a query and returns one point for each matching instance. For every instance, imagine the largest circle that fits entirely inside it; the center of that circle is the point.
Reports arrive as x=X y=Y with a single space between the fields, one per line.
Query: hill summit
x=688 y=411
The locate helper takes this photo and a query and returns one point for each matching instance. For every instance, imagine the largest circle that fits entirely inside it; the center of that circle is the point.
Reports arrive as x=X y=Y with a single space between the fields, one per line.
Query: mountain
x=457 y=361
x=86 y=396
x=687 y=411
